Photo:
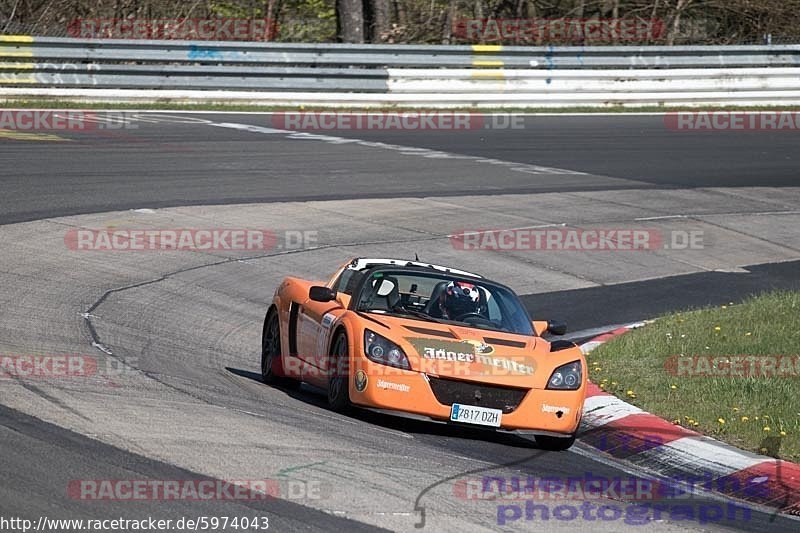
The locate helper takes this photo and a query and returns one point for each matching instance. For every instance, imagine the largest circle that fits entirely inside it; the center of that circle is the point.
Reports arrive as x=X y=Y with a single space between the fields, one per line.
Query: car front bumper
x=410 y=393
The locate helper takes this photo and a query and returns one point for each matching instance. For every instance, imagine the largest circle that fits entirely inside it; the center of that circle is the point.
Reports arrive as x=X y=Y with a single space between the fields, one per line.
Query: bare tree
x=676 y=20
x=380 y=20
x=350 y=20
x=450 y=19
x=272 y=19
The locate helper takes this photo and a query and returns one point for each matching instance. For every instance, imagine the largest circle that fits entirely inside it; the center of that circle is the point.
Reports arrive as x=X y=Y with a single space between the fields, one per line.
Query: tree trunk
x=581 y=9
x=402 y=13
x=658 y=24
x=676 y=21
x=450 y=20
x=379 y=20
x=350 y=21
x=272 y=20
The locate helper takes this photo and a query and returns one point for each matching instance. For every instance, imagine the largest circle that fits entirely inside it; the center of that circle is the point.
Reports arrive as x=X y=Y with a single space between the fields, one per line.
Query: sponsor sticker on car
x=472 y=414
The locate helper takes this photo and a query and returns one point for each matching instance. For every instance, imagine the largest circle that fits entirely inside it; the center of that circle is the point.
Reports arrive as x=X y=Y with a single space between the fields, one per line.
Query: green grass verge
x=757 y=413
x=167 y=106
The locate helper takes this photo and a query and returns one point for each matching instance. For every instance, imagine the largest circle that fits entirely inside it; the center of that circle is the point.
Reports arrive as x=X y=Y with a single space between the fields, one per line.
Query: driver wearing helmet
x=458 y=299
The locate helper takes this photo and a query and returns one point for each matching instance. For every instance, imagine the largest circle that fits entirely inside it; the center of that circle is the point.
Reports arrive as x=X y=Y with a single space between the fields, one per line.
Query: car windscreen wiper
x=418 y=314
x=398 y=310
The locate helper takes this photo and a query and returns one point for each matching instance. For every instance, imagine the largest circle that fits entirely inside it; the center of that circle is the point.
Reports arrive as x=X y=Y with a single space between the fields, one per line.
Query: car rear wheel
x=271 y=363
x=339 y=380
x=555 y=444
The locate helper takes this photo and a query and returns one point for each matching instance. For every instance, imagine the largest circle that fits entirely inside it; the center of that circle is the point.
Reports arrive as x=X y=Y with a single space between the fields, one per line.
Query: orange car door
x=314 y=322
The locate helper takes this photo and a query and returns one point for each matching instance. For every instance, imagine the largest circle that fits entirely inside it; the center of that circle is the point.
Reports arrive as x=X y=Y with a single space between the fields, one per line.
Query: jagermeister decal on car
x=461 y=351
x=469 y=351
x=482 y=348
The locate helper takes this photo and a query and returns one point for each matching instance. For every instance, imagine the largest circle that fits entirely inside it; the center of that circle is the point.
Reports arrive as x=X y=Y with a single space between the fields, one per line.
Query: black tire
x=270 y=350
x=339 y=380
x=555 y=444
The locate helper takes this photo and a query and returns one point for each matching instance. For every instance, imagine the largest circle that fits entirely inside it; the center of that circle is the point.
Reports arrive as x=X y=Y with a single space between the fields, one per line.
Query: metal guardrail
x=467 y=75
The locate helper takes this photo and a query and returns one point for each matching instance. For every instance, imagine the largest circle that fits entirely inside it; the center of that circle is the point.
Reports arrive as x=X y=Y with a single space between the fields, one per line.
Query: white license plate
x=472 y=414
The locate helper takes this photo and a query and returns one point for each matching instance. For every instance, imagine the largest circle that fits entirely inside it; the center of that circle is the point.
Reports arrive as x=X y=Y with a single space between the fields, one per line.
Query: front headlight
x=381 y=350
x=566 y=377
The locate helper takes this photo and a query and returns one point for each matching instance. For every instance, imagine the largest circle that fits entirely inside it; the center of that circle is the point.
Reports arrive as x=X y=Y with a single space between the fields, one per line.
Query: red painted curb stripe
x=634 y=434
x=772 y=483
x=605 y=337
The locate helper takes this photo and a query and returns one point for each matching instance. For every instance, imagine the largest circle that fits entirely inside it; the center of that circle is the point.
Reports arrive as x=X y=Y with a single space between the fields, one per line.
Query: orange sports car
x=421 y=340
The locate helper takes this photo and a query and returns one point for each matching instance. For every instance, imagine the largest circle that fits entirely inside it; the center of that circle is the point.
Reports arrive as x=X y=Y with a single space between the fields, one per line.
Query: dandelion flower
x=767 y=429
x=717 y=328
x=783 y=433
x=673 y=387
x=745 y=418
x=721 y=421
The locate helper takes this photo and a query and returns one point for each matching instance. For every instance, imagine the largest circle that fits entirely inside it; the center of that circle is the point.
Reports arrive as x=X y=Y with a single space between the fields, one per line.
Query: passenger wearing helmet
x=458 y=299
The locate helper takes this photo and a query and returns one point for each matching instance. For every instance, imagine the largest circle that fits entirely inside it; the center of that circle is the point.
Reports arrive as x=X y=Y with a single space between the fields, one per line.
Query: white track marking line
x=402 y=149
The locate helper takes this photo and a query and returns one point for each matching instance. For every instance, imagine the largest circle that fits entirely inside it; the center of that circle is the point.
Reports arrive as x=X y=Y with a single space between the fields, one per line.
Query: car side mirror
x=556 y=327
x=322 y=294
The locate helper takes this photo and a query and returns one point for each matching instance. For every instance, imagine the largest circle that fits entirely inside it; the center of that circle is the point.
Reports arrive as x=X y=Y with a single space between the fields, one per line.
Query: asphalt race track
x=181 y=164
x=177 y=334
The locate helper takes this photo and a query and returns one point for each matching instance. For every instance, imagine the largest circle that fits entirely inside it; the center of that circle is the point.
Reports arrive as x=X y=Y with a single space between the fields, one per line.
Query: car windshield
x=441 y=297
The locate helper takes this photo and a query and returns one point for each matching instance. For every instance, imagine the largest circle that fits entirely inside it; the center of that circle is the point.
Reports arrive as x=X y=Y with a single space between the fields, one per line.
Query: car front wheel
x=339 y=380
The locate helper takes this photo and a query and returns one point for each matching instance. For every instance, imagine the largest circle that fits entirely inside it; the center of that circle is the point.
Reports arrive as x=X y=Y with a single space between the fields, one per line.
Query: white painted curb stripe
x=600 y=410
x=700 y=454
